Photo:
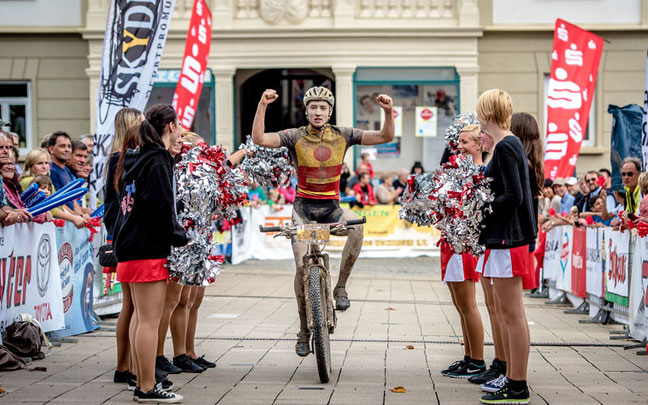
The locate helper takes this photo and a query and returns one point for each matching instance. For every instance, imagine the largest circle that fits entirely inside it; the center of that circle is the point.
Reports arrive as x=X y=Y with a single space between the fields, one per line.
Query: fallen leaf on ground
x=390 y=309
x=399 y=390
x=409 y=347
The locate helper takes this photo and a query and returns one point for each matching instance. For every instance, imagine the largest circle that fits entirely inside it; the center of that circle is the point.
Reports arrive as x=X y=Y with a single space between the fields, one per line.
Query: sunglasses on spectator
x=590 y=180
x=627 y=174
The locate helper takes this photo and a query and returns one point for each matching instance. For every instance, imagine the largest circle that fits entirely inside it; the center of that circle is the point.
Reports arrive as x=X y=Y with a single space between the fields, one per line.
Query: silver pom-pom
x=207 y=188
x=453 y=198
x=452 y=132
x=269 y=167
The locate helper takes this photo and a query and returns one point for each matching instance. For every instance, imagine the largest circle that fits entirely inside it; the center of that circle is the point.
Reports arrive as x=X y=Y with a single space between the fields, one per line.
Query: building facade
x=433 y=56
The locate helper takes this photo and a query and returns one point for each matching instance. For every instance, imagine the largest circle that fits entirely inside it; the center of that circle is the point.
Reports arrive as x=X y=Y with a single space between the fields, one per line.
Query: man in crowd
x=59 y=145
x=78 y=157
x=88 y=141
x=591 y=179
x=364 y=192
x=605 y=173
x=566 y=199
x=630 y=170
x=400 y=184
x=362 y=168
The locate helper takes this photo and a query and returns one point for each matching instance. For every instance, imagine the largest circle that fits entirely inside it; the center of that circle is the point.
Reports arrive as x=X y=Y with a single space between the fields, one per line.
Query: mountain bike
x=320 y=313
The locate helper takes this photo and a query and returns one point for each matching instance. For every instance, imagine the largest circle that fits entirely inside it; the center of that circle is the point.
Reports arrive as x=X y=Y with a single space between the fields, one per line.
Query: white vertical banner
x=594 y=280
x=637 y=288
x=133 y=43
x=644 y=126
x=551 y=262
x=563 y=273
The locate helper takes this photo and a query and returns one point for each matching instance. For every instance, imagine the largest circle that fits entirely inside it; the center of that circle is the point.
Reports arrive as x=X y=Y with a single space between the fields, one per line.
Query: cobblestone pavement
x=248 y=323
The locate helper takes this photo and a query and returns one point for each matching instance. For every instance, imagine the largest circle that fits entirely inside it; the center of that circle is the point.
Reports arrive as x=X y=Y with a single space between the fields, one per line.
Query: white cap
x=572 y=181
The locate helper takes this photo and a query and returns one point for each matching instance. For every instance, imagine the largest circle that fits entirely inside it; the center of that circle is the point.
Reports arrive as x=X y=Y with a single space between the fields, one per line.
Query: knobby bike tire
x=321 y=342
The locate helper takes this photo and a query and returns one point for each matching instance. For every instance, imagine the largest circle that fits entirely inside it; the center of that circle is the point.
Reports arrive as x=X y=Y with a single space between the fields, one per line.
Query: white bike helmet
x=319 y=93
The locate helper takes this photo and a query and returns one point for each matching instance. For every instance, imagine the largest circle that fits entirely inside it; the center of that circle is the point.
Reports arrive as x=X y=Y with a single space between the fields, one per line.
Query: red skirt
x=455 y=267
x=505 y=263
x=142 y=271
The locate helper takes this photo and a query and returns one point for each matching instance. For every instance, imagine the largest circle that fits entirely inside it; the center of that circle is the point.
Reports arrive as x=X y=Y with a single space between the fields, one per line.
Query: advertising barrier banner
x=578 y=263
x=594 y=278
x=551 y=262
x=638 y=292
x=29 y=275
x=76 y=265
x=563 y=273
x=617 y=261
x=385 y=235
x=133 y=42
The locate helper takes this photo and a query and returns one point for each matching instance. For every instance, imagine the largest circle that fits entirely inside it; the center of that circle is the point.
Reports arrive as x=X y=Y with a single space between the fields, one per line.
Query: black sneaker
x=468 y=370
x=132 y=384
x=493 y=372
x=454 y=366
x=186 y=364
x=163 y=382
x=122 y=377
x=507 y=396
x=163 y=364
x=165 y=385
x=204 y=363
x=160 y=375
x=136 y=394
x=156 y=395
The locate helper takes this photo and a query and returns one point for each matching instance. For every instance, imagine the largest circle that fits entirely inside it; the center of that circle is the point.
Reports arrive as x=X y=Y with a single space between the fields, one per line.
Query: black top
x=535 y=192
x=511 y=223
x=146 y=225
x=111 y=202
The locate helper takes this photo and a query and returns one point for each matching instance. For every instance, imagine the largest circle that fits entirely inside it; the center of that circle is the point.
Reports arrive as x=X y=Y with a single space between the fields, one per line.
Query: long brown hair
x=525 y=127
x=131 y=141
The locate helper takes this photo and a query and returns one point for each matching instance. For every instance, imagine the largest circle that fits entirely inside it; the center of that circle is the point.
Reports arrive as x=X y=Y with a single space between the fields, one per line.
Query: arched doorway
x=288 y=110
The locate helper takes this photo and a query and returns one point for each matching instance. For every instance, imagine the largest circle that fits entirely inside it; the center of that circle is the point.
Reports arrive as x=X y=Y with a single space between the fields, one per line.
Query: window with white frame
x=15 y=107
x=589 y=135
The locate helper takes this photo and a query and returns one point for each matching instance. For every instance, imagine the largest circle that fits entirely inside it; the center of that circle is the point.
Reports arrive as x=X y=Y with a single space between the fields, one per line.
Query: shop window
x=204 y=123
x=426 y=101
x=15 y=107
x=589 y=135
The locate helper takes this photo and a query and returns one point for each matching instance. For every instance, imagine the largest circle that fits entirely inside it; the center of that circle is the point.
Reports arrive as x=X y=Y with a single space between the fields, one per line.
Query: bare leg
x=171 y=299
x=132 y=334
x=351 y=249
x=509 y=294
x=195 y=299
x=149 y=301
x=122 y=332
x=464 y=331
x=179 y=323
x=467 y=306
x=493 y=313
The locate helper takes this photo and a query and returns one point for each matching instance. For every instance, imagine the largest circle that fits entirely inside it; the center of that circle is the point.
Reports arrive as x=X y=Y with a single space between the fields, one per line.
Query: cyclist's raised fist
x=384 y=101
x=268 y=96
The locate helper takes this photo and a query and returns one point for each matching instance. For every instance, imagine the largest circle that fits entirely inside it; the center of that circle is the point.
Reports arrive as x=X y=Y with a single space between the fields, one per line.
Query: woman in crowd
x=507 y=233
x=458 y=272
x=37 y=164
x=385 y=193
x=13 y=189
x=125 y=119
x=144 y=232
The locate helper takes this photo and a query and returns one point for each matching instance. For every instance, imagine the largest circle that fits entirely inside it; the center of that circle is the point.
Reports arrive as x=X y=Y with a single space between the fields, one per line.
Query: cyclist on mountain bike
x=317 y=151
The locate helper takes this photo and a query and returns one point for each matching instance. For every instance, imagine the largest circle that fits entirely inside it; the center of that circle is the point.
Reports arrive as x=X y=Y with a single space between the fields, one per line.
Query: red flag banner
x=578 y=262
x=194 y=64
x=574 y=65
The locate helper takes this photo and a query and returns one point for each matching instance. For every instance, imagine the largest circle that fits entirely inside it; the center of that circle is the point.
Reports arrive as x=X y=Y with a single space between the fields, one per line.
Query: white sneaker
x=494 y=385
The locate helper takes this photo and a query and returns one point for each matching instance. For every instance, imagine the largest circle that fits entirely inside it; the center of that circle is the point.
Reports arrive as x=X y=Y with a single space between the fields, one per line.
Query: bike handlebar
x=350 y=222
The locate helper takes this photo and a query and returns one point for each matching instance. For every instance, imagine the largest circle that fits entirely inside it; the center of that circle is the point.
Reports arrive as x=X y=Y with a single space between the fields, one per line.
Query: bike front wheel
x=321 y=342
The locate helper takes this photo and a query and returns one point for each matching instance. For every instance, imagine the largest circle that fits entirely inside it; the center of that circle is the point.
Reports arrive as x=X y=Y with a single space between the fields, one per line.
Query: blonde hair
x=192 y=138
x=643 y=183
x=472 y=129
x=125 y=119
x=495 y=105
x=31 y=159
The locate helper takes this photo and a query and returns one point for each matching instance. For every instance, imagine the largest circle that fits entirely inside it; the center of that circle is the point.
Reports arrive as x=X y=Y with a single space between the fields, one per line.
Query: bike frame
x=315 y=257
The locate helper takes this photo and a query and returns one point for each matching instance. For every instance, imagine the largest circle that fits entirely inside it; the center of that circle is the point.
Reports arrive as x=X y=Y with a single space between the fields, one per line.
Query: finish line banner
x=29 y=276
x=135 y=36
x=385 y=235
x=574 y=65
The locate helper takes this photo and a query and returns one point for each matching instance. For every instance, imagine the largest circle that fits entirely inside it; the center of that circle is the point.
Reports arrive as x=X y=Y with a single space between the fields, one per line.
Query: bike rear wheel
x=321 y=342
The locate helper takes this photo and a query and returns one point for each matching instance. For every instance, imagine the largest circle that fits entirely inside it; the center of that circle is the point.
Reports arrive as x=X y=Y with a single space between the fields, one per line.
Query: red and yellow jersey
x=318 y=158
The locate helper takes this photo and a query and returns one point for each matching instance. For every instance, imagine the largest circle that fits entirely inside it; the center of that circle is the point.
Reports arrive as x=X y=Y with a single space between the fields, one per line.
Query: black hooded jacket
x=512 y=222
x=146 y=225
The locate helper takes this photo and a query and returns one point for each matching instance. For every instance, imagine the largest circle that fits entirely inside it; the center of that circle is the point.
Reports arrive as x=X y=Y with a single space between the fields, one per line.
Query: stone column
x=344 y=101
x=224 y=101
x=468 y=87
x=468 y=13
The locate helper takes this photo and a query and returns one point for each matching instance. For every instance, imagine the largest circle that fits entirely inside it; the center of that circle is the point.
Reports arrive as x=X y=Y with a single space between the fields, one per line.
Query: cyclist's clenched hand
x=385 y=102
x=268 y=97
